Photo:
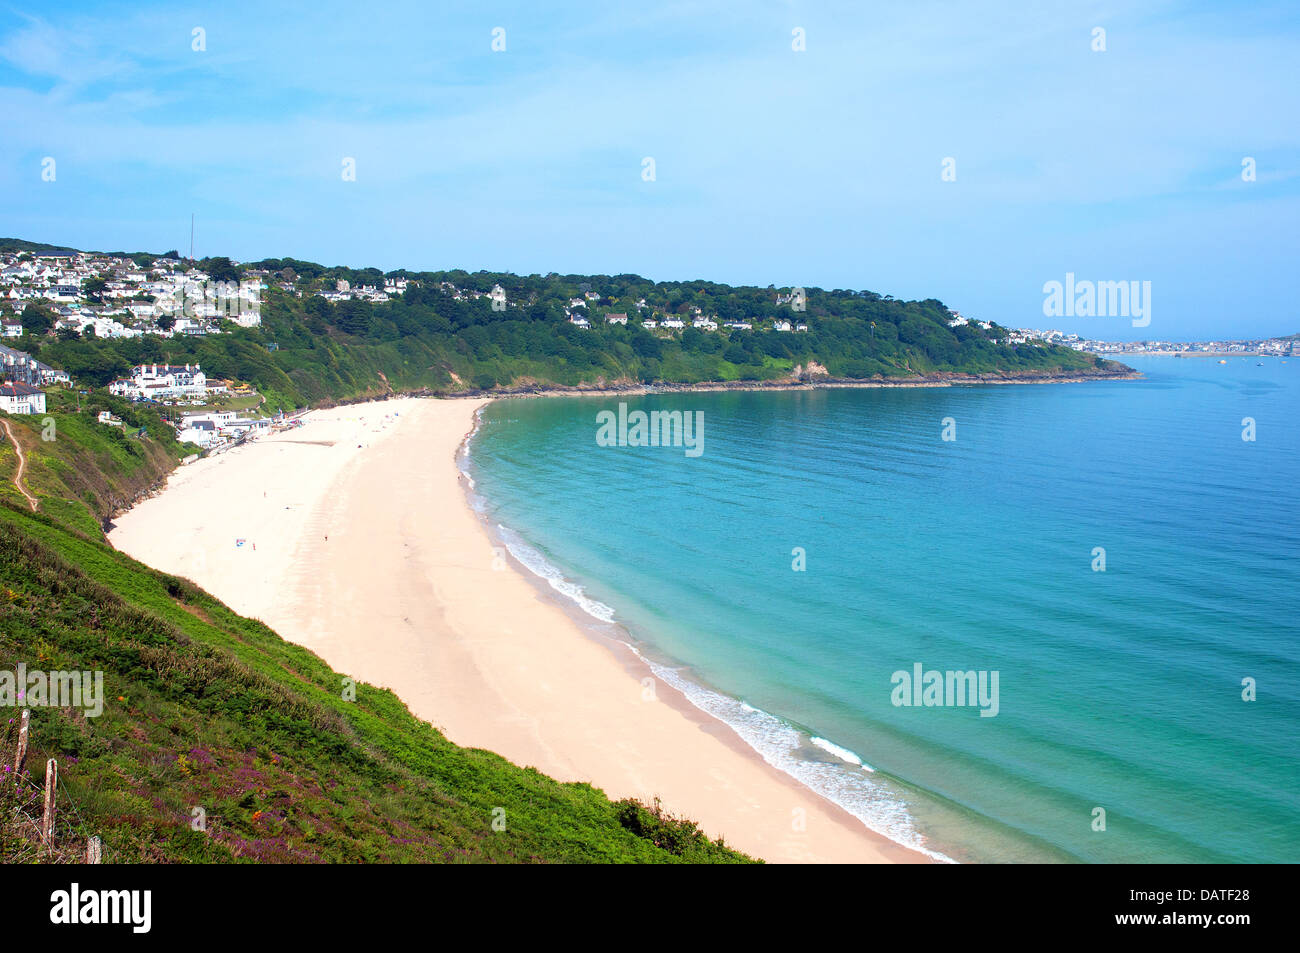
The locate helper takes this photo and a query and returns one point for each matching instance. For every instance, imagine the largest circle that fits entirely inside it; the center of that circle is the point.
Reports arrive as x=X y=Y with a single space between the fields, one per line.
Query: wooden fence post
x=93 y=850
x=21 y=756
x=47 y=819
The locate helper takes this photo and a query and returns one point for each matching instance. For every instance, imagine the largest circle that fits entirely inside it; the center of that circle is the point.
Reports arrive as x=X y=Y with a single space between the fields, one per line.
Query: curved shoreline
x=364 y=549
x=680 y=687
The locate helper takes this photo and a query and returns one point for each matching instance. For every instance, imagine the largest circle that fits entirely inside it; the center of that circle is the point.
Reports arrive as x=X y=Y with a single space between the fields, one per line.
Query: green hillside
x=83 y=471
x=442 y=334
x=206 y=709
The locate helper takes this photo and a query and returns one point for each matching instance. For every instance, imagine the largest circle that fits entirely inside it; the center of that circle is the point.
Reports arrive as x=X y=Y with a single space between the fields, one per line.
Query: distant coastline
x=1204 y=354
x=630 y=389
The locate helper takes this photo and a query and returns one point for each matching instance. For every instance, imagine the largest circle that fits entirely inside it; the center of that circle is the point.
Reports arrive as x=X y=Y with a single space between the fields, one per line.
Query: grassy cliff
x=210 y=715
x=81 y=470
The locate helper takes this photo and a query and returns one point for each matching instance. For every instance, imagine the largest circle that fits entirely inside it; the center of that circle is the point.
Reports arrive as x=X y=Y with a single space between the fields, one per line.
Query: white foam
x=779 y=743
x=844 y=754
x=538 y=565
x=848 y=784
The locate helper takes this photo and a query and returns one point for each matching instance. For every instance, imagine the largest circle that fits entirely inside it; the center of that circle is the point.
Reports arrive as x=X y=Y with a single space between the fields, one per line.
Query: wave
x=846 y=781
x=463 y=461
x=539 y=566
x=844 y=754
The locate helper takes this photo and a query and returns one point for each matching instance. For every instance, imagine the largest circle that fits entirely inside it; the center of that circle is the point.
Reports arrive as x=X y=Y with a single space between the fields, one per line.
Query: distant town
x=1275 y=347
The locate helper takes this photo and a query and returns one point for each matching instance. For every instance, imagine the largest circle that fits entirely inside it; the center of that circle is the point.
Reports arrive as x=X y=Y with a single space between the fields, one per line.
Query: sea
x=997 y=623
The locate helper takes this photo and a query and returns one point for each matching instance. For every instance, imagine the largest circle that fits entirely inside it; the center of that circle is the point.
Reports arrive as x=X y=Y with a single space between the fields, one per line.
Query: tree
x=354 y=317
x=221 y=269
x=94 y=288
x=37 y=320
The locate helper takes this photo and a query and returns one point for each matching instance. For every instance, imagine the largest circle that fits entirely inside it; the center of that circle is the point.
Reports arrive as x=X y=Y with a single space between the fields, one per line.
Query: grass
x=83 y=471
x=210 y=715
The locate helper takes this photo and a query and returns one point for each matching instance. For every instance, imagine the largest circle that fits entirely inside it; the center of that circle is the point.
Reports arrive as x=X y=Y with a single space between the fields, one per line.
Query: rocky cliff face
x=811 y=372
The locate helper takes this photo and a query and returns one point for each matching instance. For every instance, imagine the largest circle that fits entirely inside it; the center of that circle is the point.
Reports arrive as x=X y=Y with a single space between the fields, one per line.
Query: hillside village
x=117 y=297
x=108 y=296
x=652 y=319
x=86 y=294
x=47 y=294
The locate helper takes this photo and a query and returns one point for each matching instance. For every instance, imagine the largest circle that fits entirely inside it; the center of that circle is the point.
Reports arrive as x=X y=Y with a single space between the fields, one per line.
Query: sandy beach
x=359 y=543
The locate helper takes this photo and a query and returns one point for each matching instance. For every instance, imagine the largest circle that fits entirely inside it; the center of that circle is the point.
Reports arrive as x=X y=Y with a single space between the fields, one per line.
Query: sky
x=821 y=166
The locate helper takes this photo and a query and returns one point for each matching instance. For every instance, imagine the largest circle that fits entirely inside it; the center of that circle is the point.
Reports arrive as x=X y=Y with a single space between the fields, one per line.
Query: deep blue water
x=1118 y=689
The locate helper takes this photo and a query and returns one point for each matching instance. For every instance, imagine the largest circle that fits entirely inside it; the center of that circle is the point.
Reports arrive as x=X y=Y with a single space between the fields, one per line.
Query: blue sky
x=817 y=168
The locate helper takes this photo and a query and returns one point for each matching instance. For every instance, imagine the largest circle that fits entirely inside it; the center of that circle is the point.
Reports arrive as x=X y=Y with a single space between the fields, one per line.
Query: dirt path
x=22 y=465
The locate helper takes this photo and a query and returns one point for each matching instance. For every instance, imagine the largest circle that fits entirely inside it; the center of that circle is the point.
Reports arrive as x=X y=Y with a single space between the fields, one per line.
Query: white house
x=22 y=367
x=63 y=293
x=21 y=399
x=203 y=433
x=163 y=381
x=252 y=426
x=247 y=317
x=616 y=319
x=579 y=322
x=673 y=323
x=11 y=329
x=219 y=418
x=211 y=429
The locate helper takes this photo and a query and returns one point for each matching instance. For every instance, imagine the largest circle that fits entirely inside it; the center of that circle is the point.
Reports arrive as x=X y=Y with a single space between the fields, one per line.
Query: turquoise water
x=1118 y=689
